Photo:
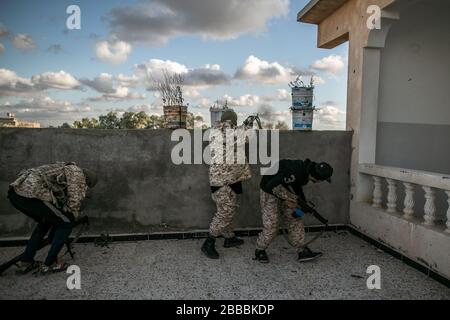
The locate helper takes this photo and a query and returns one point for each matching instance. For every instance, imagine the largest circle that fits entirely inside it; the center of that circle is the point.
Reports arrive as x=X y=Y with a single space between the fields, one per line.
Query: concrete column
x=392 y=196
x=409 y=201
x=430 y=208
x=377 y=194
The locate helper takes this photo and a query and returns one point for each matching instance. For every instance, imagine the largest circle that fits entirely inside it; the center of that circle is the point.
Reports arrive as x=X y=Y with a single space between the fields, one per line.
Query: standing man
x=286 y=188
x=226 y=178
x=51 y=195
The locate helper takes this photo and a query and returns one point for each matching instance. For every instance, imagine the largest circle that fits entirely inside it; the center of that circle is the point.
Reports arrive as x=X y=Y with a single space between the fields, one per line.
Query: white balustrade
x=377 y=193
x=430 y=208
x=430 y=183
x=409 y=200
x=392 y=196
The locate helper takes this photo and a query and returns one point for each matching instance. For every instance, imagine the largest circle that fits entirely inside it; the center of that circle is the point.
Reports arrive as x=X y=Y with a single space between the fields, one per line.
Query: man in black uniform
x=287 y=187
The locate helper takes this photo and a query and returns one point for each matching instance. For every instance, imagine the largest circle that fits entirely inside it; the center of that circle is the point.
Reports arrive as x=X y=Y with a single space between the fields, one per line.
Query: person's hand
x=291 y=205
x=298 y=213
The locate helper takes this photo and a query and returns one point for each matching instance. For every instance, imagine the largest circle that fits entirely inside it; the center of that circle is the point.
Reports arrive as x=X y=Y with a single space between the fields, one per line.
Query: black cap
x=322 y=171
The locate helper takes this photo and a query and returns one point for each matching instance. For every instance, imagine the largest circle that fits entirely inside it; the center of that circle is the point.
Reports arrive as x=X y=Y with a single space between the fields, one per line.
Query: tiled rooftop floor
x=176 y=269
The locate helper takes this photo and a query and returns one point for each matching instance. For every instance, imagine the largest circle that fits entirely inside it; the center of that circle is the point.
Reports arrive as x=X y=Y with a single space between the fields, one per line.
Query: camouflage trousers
x=222 y=223
x=271 y=217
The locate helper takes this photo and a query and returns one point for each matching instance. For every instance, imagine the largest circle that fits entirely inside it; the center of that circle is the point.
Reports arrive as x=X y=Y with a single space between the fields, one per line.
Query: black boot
x=232 y=242
x=209 y=248
x=261 y=256
x=308 y=255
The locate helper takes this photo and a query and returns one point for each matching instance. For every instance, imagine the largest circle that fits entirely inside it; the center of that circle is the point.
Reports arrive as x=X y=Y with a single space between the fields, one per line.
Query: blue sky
x=226 y=50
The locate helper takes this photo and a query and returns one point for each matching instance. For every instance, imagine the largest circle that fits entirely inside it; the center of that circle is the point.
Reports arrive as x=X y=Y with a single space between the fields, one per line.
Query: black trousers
x=47 y=221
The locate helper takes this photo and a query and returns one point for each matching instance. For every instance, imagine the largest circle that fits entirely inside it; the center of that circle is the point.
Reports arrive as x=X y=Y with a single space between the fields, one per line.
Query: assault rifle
x=84 y=221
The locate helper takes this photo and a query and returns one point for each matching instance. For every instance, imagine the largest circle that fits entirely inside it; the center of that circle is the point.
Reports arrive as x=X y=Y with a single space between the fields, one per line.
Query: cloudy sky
x=245 y=52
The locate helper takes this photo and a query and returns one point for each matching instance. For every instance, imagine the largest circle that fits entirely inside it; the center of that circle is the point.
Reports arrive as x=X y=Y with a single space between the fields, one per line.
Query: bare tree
x=171 y=88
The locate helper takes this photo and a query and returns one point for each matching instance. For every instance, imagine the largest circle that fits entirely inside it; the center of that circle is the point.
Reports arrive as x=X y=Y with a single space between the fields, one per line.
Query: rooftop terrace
x=176 y=269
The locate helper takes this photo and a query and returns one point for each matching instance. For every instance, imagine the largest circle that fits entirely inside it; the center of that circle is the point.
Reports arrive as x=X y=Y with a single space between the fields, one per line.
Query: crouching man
x=286 y=187
x=51 y=195
x=225 y=179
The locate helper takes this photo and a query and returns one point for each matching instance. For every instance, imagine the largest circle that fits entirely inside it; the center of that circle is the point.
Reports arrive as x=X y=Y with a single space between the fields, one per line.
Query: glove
x=298 y=213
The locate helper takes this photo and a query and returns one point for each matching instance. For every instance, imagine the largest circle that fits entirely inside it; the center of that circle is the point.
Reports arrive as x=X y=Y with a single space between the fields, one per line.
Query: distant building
x=12 y=121
x=302 y=105
x=399 y=115
x=217 y=111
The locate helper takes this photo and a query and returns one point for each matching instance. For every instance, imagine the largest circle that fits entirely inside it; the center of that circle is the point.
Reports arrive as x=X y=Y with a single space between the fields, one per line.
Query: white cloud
x=57 y=80
x=209 y=75
x=119 y=94
x=114 y=52
x=191 y=93
x=132 y=81
x=153 y=69
x=147 y=108
x=331 y=65
x=102 y=83
x=246 y=100
x=155 y=22
x=204 y=103
x=318 y=80
x=199 y=123
x=45 y=108
x=329 y=117
x=260 y=71
x=283 y=95
x=12 y=84
x=23 y=42
x=268 y=114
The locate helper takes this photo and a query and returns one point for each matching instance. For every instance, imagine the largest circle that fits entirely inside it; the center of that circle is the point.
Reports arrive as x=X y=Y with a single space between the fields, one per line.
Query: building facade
x=11 y=121
x=398 y=109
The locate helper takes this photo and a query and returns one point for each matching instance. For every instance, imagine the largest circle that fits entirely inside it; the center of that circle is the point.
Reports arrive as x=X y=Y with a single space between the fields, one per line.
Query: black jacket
x=292 y=174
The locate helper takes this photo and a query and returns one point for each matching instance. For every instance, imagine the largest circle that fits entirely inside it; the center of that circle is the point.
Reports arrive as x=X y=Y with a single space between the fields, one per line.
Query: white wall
x=413 y=128
x=415 y=66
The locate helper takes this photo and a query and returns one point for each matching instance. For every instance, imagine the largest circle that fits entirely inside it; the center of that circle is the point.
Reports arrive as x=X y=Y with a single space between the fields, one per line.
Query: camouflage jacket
x=61 y=184
x=228 y=166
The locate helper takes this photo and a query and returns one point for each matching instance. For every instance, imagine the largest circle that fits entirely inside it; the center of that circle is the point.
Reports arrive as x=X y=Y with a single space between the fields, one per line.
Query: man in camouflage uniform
x=226 y=178
x=51 y=195
x=285 y=189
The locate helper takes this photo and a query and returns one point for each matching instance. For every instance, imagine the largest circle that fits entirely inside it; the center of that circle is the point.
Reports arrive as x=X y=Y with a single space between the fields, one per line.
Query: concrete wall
x=429 y=246
x=140 y=190
x=348 y=23
x=414 y=96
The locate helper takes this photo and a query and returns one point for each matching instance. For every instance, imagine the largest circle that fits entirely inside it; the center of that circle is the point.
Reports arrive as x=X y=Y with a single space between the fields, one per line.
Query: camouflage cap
x=229 y=115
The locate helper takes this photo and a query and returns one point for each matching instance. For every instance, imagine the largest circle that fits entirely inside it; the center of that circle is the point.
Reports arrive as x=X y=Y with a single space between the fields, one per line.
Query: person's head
x=229 y=115
x=319 y=172
x=91 y=177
